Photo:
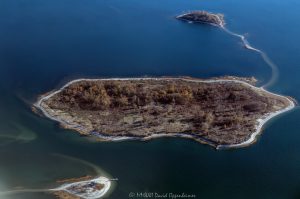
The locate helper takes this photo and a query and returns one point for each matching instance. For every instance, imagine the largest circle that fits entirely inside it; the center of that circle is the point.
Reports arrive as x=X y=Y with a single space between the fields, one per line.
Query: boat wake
x=265 y=57
x=16 y=133
x=98 y=171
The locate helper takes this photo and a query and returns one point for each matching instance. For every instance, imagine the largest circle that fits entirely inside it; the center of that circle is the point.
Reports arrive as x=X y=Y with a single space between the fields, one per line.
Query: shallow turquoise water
x=43 y=44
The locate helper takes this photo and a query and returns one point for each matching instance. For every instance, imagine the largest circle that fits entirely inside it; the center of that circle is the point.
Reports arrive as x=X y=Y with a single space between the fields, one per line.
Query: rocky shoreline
x=67 y=121
x=203 y=17
x=85 y=187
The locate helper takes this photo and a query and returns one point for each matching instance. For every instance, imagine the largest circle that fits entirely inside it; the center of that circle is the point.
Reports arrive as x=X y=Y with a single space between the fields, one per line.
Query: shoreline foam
x=246 y=44
x=261 y=121
x=98 y=194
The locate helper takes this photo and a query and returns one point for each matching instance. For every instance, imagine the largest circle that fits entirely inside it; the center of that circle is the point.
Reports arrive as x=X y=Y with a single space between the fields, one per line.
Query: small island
x=203 y=17
x=225 y=112
x=85 y=187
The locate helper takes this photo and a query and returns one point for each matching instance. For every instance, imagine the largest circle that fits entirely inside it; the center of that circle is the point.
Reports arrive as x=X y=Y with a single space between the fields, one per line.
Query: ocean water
x=44 y=44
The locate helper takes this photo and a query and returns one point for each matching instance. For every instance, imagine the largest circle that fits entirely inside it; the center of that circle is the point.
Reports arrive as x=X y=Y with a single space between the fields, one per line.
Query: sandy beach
x=89 y=194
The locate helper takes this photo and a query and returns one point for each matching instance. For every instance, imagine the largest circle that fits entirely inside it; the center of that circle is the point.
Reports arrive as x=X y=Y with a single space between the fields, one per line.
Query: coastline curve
x=258 y=129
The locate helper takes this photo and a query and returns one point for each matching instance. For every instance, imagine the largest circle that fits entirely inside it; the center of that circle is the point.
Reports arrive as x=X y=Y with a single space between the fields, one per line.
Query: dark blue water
x=44 y=43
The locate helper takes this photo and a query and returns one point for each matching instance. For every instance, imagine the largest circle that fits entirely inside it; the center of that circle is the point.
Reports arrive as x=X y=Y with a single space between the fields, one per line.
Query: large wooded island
x=227 y=112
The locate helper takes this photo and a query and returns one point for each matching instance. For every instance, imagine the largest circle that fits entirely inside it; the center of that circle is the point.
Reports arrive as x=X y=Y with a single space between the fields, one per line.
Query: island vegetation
x=203 y=17
x=217 y=112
